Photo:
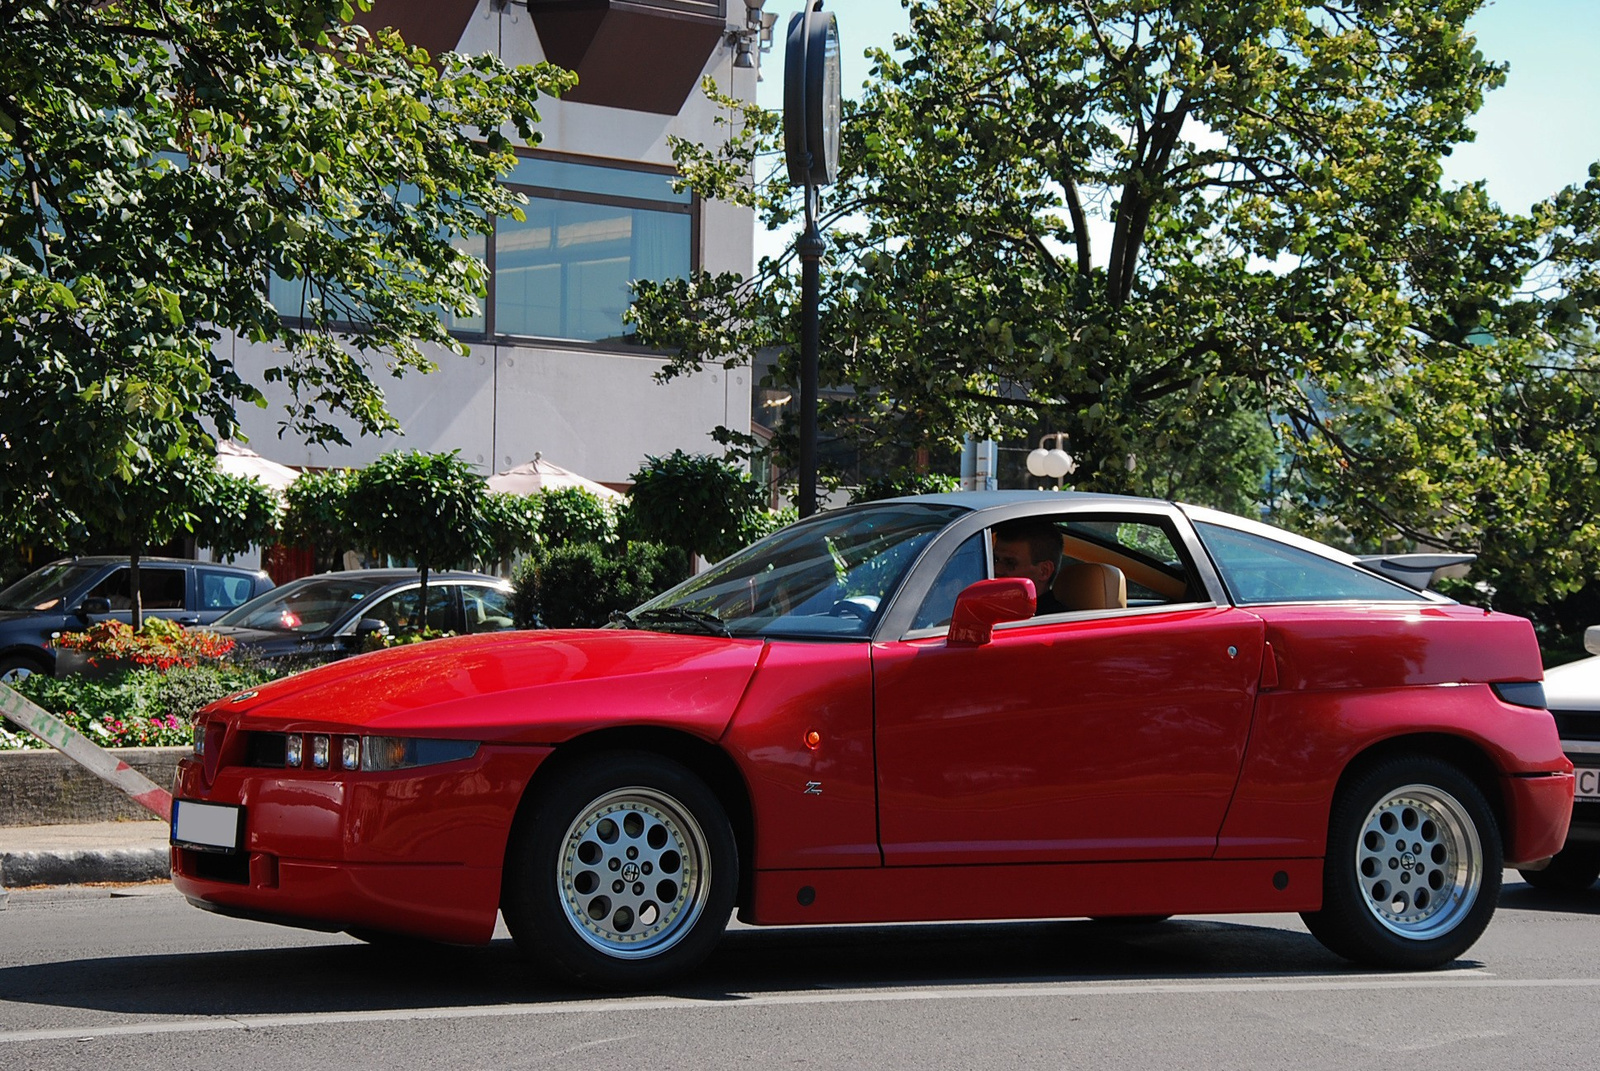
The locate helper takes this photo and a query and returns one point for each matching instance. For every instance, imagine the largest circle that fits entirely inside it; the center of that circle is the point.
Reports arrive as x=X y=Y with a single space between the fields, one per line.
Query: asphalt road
x=89 y=979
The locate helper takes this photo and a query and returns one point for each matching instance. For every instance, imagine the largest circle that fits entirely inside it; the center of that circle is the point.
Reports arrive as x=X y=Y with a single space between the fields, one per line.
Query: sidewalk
x=77 y=854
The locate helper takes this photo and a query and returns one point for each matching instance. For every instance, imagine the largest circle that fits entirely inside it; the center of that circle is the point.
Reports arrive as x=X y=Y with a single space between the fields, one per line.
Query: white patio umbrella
x=238 y=460
x=540 y=475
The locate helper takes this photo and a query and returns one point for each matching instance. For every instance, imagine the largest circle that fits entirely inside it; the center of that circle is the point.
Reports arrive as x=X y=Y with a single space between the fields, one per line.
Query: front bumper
x=1585 y=756
x=415 y=851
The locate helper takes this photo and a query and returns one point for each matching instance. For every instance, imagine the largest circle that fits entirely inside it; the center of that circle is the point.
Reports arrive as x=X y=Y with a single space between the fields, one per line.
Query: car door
x=1103 y=734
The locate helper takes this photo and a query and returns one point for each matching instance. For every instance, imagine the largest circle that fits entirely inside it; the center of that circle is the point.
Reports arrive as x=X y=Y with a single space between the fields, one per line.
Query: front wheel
x=1413 y=866
x=622 y=874
x=15 y=667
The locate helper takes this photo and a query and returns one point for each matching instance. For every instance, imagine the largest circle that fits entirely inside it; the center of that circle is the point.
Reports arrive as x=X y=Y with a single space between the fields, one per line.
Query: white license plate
x=211 y=827
x=1588 y=783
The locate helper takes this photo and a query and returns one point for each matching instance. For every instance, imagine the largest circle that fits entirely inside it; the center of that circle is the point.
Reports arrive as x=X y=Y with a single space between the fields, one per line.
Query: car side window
x=1259 y=570
x=114 y=589
x=223 y=591
x=162 y=589
x=488 y=609
x=399 y=611
x=968 y=565
x=1144 y=549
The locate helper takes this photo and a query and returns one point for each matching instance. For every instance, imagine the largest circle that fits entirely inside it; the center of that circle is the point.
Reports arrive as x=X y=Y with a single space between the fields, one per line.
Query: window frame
x=691 y=208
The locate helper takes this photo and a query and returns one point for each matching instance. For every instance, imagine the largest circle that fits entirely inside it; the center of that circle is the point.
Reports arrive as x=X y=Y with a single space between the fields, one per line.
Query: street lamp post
x=811 y=118
x=1053 y=463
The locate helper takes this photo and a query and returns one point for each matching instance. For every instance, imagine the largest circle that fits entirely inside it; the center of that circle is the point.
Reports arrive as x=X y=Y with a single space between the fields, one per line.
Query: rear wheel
x=1413 y=866
x=1572 y=870
x=623 y=874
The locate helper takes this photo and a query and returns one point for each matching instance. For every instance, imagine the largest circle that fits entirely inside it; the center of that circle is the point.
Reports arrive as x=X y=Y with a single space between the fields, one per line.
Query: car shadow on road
x=1520 y=896
x=347 y=977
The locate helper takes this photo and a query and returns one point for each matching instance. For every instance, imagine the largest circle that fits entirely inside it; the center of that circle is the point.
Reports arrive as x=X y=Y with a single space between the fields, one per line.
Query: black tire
x=16 y=666
x=1412 y=873
x=621 y=873
x=1573 y=869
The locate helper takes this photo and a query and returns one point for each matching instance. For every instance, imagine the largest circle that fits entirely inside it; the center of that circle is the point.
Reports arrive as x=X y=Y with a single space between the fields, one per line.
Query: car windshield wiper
x=680 y=615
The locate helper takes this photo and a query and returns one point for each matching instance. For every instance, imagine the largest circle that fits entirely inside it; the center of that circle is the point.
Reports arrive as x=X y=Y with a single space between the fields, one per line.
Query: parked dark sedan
x=330 y=616
x=74 y=593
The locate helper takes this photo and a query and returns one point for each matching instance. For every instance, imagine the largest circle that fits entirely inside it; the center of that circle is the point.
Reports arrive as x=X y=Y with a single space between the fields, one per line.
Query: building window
x=564 y=272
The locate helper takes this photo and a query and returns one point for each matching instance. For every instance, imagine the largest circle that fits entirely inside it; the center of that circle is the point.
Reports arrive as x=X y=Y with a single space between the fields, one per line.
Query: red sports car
x=1153 y=709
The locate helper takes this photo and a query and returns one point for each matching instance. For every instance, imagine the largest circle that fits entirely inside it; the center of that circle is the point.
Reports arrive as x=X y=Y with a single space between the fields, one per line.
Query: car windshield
x=304 y=606
x=827 y=577
x=44 y=589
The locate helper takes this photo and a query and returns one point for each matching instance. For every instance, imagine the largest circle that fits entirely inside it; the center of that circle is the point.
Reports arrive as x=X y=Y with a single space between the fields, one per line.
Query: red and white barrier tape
x=67 y=740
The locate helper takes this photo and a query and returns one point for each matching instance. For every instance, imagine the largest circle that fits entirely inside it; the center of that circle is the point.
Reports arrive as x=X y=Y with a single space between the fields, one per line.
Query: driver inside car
x=1030 y=547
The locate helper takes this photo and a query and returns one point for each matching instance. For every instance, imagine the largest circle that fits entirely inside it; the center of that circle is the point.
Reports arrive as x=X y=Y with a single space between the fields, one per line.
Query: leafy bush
x=582 y=584
x=570 y=515
x=700 y=503
x=382 y=641
x=142 y=707
x=508 y=525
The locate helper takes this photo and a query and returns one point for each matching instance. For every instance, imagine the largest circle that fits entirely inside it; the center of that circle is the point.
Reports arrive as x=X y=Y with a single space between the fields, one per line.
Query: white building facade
x=550 y=368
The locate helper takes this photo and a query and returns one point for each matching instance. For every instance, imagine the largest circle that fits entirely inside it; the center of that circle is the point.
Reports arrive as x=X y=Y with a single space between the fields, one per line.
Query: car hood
x=521 y=687
x=263 y=642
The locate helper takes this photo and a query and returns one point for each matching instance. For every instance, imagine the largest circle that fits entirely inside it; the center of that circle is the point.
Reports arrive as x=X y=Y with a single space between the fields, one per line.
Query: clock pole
x=811 y=120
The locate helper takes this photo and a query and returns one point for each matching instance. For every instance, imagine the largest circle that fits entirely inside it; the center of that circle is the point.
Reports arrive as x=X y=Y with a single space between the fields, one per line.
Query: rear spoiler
x=1414 y=570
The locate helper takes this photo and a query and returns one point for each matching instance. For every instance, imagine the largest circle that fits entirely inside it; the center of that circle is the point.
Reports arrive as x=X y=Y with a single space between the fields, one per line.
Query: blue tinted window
x=565 y=271
x=1260 y=570
x=968 y=565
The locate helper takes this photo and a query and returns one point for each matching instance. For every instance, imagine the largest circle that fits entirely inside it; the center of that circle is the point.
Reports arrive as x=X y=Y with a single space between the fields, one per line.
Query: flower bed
x=155 y=681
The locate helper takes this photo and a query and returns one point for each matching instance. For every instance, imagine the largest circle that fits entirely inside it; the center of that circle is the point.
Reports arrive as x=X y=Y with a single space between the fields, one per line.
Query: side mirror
x=94 y=606
x=982 y=606
x=368 y=625
x=1591 y=639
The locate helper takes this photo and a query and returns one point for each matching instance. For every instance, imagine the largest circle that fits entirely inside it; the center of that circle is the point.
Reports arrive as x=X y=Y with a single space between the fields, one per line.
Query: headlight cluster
x=378 y=753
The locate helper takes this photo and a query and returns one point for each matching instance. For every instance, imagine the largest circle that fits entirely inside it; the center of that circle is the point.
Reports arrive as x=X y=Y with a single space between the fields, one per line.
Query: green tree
x=317 y=515
x=1206 y=239
x=419 y=507
x=159 y=161
x=699 y=503
x=508 y=525
x=237 y=513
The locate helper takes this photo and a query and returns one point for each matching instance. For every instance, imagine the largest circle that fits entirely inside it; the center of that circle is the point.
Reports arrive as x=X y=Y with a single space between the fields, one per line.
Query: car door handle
x=188 y=620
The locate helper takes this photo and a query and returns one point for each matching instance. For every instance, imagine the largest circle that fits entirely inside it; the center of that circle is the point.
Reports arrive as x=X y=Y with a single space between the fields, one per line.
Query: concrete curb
x=83 y=853
x=79 y=867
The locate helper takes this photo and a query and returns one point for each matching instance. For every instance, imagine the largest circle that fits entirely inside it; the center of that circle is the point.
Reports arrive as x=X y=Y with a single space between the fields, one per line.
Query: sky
x=1536 y=134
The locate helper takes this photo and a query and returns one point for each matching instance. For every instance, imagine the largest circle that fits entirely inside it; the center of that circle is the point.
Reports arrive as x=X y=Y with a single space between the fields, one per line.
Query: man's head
x=1029 y=547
